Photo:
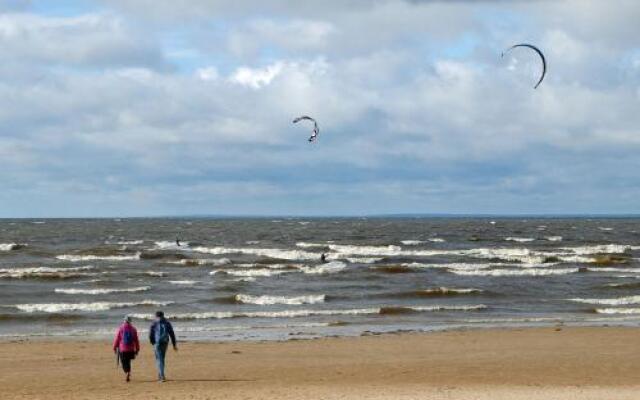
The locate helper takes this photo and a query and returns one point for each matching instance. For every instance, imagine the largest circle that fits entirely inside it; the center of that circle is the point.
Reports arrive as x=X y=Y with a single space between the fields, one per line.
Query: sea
x=224 y=279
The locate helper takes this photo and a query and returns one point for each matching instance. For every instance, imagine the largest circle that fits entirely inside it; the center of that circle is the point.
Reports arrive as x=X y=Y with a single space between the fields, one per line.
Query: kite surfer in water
x=178 y=242
x=323 y=258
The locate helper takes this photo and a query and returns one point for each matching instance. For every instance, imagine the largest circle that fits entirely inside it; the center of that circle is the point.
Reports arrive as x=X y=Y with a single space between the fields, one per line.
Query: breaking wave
x=246 y=273
x=412 y=242
x=517 y=272
x=614 y=269
x=600 y=249
x=101 y=291
x=86 y=307
x=308 y=313
x=11 y=246
x=183 y=283
x=193 y=262
x=365 y=250
x=306 y=245
x=155 y=274
x=126 y=242
x=93 y=257
x=168 y=245
x=328 y=268
x=419 y=242
x=271 y=253
x=364 y=260
x=269 y=300
x=620 y=301
x=519 y=239
x=618 y=310
x=44 y=272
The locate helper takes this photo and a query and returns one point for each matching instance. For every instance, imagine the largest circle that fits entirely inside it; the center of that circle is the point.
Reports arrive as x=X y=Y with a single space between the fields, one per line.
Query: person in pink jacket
x=126 y=345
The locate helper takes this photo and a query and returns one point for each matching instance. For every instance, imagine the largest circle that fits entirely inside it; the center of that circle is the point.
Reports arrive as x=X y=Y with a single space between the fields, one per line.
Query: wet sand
x=536 y=363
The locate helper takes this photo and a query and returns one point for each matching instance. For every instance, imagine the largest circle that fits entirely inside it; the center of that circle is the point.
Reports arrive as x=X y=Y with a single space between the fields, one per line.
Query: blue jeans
x=160 y=350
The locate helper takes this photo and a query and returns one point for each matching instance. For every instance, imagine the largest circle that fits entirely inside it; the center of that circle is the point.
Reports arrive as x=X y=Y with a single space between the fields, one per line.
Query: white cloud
x=91 y=40
x=256 y=77
x=416 y=109
x=296 y=35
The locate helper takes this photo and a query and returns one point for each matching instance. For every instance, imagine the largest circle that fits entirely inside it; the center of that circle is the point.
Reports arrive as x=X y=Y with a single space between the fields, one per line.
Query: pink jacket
x=126 y=339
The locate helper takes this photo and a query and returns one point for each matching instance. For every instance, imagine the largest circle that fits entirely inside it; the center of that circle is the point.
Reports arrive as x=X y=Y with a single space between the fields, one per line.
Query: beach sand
x=532 y=363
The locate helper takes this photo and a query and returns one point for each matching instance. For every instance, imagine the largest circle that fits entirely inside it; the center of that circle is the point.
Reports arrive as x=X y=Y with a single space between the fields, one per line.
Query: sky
x=157 y=107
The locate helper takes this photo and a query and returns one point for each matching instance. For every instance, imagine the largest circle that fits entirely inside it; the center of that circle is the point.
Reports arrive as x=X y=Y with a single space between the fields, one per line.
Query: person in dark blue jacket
x=160 y=334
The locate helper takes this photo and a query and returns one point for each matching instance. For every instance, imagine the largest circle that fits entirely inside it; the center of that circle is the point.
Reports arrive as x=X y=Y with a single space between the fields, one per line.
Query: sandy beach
x=535 y=363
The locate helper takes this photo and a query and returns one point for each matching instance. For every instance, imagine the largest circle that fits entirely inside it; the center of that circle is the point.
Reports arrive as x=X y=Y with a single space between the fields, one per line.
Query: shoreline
x=509 y=363
x=549 y=323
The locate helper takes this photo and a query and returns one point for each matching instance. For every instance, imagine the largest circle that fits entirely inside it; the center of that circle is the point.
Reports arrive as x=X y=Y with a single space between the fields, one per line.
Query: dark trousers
x=125 y=360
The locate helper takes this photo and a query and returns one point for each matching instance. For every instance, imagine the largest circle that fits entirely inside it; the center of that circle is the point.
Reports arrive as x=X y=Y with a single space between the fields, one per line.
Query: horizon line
x=348 y=216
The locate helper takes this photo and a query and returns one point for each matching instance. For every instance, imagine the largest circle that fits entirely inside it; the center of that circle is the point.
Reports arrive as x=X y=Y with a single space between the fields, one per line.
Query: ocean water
x=261 y=279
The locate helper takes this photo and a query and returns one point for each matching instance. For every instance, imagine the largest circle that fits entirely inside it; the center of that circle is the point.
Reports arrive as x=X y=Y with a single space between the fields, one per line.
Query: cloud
x=92 y=40
x=295 y=35
x=418 y=112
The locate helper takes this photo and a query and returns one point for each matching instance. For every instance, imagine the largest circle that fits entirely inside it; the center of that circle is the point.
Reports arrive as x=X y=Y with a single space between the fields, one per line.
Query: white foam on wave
x=620 y=301
x=87 y=307
x=363 y=260
x=156 y=274
x=270 y=300
x=92 y=257
x=517 y=272
x=309 y=313
x=41 y=272
x=10 y=246
x=521 y=255
x=306 y=245
x=216 y=262
x=614 y=269
x=183 y=283
x=259 y=272
x=269 y=266
x=126 y=242
x=528 y=256
x=581 y=254
x=456 y=266
x=600 y=249
x=412 y=242
x=328 y=268
x=171 y=245
x=554 y=238
x=101 y=291
x=519 y=239
x=353 y=250
x=622 y=310
x=419 y=242
x=264 y=252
